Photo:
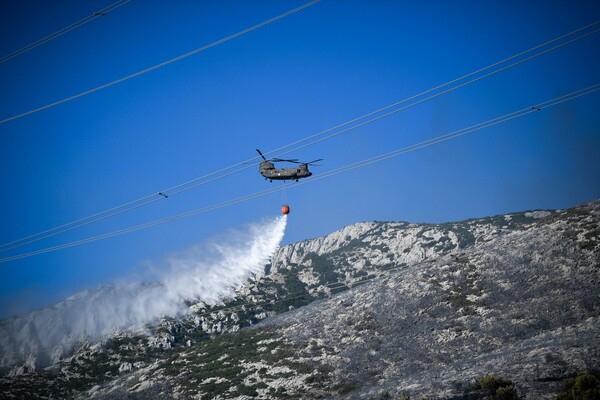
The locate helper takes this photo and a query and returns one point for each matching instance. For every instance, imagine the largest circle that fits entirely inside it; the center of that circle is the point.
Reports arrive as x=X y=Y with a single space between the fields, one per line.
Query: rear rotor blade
x=314 y=161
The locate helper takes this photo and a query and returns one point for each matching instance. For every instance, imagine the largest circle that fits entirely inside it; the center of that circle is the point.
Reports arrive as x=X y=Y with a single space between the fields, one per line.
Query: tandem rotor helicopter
x=268 y=170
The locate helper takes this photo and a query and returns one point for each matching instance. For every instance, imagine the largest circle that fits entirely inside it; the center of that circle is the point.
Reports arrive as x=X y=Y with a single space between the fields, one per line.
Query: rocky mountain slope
x=375 y=310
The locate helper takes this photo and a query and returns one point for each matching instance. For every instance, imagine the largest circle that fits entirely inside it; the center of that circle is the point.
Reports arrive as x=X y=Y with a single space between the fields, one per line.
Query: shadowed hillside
x=375 y=310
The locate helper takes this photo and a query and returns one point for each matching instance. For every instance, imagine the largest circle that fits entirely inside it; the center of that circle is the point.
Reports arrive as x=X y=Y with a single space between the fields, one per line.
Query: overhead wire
x=456 y=80
x=113 y=211
x=64 y=30
x=199 y=181
x=278 y=153
x=379 y=117
x=461 y=132
x=78 y=223
x=437 y=94
x=494 y=121
x=157 y=66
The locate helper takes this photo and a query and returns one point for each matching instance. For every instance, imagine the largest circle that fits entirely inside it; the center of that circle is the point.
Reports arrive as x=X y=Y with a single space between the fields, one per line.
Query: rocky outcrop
x=373 y=310
x=525 y=306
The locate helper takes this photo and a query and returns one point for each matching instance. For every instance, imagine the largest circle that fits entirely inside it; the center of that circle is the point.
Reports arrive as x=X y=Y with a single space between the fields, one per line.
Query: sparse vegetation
x=208 y=359
x=345 y=387
x=292 y=294
x=324 y=267
x=493 y=387
x=234 y=360
x=385 y=395
x=584 y=386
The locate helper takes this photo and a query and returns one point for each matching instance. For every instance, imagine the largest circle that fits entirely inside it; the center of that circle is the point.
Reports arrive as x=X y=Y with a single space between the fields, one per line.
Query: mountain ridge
x=330 y=308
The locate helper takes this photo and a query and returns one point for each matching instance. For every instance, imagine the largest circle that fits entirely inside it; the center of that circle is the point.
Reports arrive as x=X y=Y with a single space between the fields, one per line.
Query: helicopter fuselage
x=268 y=170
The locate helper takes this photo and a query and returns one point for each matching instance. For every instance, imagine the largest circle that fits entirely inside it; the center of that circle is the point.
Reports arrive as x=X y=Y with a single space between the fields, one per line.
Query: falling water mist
x=207 y=272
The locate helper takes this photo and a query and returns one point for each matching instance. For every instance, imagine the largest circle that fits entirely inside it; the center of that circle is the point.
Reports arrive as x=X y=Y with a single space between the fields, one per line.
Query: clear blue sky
x=327 y=64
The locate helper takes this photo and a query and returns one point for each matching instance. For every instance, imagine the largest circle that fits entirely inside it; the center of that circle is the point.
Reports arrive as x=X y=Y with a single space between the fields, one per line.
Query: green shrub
x=491 y=383
x=345 y=388
x=584 y=386
x=494 y=387
x=247 y=391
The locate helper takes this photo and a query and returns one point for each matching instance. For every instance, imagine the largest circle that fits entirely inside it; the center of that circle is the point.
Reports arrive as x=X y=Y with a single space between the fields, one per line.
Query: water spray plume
x=204 y=273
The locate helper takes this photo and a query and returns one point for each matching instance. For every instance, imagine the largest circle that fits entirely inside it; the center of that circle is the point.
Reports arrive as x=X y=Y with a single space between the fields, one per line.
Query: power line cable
x=360 y=164
x=191 y=184
x=461 y=132
x=136 y=74
x=113 y=211
x=79 y=223
x=64 y=30
x=439 y=139
x=278 y=150
x=182 y=187
x=456 y=80
x=389 y=113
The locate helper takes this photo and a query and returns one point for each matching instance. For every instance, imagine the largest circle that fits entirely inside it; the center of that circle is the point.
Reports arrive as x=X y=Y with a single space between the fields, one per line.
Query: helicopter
x=268 y=170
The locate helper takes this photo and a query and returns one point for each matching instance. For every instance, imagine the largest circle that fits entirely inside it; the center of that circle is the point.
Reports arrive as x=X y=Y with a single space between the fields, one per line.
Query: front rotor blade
x=295 y=160
x=261 y=154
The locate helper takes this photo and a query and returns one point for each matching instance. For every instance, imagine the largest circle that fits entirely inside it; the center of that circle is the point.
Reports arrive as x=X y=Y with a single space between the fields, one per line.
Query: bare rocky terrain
x=374 y=310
